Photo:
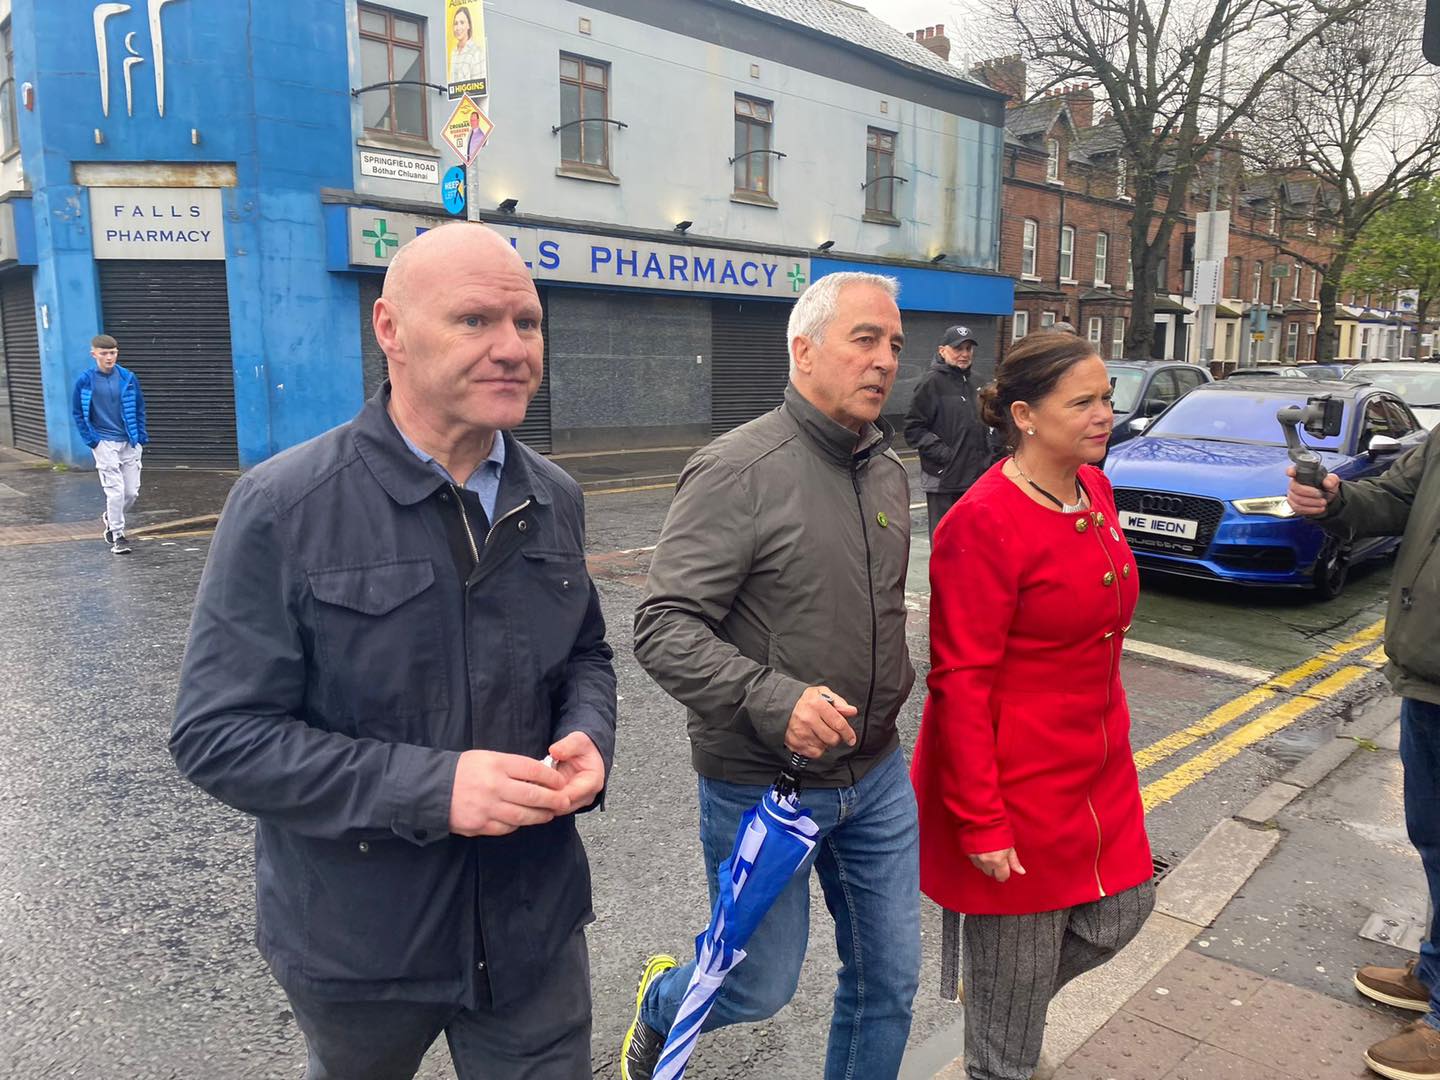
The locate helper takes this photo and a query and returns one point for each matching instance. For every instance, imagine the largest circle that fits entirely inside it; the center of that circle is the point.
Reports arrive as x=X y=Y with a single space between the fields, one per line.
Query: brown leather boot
x=1394 y=986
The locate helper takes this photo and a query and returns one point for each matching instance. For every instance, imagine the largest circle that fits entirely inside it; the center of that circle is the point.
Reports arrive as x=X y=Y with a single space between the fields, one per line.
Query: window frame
x=1295 y=289
x=1117 y=338
x=1052 y=160
x=1047 y=320
x=1030 y=248
x=874 y=211
x=1102 y=260
x=390 y=40
x=1292 y=342
x=1122 y=178
x=1019 y=319
x=1067 y=270
x=586 y=138
x=1095 y=332
x=1237 y=276
x=748 y=191
x=9 y=120
x=1257 y=281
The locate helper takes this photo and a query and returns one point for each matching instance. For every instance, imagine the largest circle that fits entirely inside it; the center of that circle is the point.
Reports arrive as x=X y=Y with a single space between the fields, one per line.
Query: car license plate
x=1131 y=521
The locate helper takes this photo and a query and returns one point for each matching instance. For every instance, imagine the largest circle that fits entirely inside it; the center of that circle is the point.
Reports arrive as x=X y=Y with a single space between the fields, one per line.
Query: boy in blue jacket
x=110 y=413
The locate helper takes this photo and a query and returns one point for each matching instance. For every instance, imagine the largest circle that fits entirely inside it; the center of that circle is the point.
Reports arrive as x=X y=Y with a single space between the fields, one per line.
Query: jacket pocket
x=379 y=630
x=553 y=605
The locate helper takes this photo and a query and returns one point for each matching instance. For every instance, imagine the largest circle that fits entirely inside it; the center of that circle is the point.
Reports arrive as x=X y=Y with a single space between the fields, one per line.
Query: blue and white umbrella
x=773 y=842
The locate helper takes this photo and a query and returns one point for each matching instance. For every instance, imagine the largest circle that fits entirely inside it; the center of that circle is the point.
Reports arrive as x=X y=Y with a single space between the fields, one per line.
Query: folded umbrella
x=773 y=841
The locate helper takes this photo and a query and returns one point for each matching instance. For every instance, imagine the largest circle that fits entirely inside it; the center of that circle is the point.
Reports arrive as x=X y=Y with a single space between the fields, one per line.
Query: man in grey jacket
x=775 y=611
x=394 y=639
x=944 y=425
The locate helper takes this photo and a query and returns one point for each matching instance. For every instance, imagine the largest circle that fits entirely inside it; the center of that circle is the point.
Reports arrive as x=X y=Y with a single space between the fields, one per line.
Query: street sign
x=452 y=189
x=1212 y=236
x=1207 y=281
x=467 y=130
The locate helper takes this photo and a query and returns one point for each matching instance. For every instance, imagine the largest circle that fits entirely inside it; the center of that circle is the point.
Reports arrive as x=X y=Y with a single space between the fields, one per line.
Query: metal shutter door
x=22 y=362
x=172 y=320
x=534 y=432
x=749 y=361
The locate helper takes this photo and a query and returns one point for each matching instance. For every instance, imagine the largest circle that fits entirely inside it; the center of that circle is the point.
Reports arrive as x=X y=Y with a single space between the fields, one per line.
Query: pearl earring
x=1030 y=431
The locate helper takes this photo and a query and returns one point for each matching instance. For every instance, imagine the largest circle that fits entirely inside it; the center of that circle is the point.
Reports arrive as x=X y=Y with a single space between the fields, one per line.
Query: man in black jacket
x=944 y=425
x=397 y=664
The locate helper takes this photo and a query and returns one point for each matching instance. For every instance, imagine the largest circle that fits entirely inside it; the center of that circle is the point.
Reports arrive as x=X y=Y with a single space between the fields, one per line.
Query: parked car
x=1417 y=384
x=1282 y=371
x=1326 y=371
x=1146 y=388
x=1201 y=492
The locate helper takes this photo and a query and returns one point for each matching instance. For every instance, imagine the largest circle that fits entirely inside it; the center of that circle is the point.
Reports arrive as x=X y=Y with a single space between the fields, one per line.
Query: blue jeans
x=1420 y=756
x=868 y=863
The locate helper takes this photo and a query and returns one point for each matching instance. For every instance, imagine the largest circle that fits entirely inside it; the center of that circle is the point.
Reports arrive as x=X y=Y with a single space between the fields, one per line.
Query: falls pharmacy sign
x=157 y=223
x=601 y=261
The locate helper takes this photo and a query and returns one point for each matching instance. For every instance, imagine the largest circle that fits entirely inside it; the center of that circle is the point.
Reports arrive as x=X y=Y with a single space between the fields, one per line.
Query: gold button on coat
x=1109 y=578
x=1081 y=524
x=1099 y=517
x=1125 y=570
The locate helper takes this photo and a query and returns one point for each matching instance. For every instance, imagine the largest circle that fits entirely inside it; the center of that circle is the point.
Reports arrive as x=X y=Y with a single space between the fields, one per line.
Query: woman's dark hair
x=1031 y=370
x=469 y=26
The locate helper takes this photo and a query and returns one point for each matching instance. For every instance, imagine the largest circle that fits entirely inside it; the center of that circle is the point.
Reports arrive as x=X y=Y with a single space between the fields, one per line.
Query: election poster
x=465 y=48
x=467 y=129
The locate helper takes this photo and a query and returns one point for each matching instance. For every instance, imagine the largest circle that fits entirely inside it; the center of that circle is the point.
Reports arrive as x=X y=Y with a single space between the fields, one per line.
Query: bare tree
x=1360 y=112
x=1155 y=64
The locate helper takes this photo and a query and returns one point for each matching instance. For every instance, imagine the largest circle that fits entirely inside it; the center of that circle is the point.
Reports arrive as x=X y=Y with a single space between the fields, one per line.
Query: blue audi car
x=1202 y=491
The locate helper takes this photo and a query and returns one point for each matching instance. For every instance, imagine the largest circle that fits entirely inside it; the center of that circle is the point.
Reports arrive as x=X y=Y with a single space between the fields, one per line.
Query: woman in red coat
x=1030 y=816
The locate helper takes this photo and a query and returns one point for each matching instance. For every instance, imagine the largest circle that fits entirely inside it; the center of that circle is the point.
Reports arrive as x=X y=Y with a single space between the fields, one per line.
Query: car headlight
x=1271 y=506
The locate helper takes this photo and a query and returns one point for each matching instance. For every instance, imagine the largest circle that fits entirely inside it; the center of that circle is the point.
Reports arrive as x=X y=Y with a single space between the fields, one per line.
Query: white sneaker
x=120 y=546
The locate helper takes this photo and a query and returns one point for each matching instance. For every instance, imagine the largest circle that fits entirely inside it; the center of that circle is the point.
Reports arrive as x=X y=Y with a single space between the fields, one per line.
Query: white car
x=1417 y=384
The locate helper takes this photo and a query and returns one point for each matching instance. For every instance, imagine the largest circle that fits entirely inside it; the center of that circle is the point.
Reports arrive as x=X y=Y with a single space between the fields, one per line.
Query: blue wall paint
x=267 y=87
x=934 y=290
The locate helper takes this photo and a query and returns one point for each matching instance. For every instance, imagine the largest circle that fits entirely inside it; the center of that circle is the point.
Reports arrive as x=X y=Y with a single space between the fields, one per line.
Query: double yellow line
x=1267 y=723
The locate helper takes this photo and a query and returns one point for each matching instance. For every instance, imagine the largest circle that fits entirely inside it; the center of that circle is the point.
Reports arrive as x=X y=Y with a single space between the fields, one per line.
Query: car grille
x=1206 y=512
x=1253 y=557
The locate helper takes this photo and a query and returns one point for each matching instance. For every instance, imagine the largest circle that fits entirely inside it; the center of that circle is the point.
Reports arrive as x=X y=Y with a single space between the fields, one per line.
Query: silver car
x=1417 y=384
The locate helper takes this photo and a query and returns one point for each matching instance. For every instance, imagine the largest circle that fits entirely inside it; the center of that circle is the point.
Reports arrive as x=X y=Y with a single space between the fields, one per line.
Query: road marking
x=1379 y=656
x=626 y=490
x=1233 y=710
x=918 y=506
x=1263 y=726
x=1197 y=662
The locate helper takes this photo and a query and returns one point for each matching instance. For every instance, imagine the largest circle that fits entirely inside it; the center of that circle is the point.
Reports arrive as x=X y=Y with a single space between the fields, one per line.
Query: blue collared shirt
x=484 y=481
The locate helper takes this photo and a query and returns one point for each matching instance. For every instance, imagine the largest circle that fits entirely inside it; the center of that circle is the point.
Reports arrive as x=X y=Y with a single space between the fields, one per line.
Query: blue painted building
x=220 y=185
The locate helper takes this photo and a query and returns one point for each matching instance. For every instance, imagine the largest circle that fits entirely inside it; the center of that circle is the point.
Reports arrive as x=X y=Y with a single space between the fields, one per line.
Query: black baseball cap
x=957 y=336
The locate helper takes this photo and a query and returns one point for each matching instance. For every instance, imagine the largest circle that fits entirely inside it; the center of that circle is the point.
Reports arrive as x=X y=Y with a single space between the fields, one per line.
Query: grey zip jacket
x=782 y=565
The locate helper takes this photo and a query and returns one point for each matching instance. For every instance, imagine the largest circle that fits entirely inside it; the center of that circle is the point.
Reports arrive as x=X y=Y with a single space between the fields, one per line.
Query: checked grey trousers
x=1014 y=965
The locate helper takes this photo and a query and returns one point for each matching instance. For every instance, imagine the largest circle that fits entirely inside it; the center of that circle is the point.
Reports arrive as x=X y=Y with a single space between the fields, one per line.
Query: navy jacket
x=132 y=406
x=336 y=668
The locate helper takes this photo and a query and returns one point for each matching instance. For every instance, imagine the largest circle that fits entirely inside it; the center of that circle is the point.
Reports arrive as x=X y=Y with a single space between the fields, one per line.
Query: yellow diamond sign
x=467 y=129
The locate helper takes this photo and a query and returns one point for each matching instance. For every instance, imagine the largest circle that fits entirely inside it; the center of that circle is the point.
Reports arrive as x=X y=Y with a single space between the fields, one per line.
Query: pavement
x=126 y=928
x=1245 y=969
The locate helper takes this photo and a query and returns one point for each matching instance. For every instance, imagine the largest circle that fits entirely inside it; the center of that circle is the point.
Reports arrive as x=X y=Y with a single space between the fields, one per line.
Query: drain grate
x=1162 y=866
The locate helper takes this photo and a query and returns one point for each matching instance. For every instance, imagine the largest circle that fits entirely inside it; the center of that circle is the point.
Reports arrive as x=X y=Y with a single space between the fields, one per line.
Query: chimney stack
x=1081 y=100
x=934 y=39
x=1005 y=74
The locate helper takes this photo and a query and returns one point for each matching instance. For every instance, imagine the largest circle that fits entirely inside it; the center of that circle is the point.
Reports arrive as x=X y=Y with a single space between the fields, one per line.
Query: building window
x=1315 y=285
x=1122 y=178
x=1097 y=329
x=879 y=172
x=1309 y=342
x=1292 y=341
x=1274 y=227
x=1047 y=320
x=9 y=139
x=1102 y=259
x=1130 y=274
x=1067 y=253
x=1255 y=279
x=584 y=97
x=1052 y=160
x=1295 y=287
x=1229 y=353
x=754 y=125
x=1020 y=326
x=392 y=47
x=1117 y=340
x=1275 y=288
x=1237 y=276
x=1162 y=274
x=1027 y=248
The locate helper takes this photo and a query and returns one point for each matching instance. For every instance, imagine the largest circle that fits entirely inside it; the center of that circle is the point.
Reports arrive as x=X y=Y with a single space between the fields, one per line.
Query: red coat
x=1025 y=742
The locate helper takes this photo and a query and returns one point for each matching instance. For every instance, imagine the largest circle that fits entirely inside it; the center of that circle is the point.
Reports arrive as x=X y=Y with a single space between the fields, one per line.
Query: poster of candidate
x=467 y=129
x=465 y=48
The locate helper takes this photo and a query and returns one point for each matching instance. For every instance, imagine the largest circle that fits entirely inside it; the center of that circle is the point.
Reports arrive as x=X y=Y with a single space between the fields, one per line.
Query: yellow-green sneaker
x=640 y=1052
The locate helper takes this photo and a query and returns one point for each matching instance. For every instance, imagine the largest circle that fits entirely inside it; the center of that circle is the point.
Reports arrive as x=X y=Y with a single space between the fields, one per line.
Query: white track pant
x=119 y=466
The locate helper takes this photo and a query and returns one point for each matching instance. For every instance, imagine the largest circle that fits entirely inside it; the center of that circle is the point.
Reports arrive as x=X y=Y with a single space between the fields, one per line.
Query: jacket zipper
x=874 y=620
x=465 y=520
x=1116 y=580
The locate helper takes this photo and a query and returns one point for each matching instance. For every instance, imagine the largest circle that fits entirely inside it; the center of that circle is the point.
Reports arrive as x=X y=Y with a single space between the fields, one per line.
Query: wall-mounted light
x=99 y=137
x=27 y=96
x=938 y=258
x=194 y=136
x=825 y=245
x=683 y=226
x=507 y=206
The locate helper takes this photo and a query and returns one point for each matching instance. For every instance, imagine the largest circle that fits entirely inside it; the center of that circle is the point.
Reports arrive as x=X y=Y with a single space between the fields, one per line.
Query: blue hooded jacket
x=132 y=406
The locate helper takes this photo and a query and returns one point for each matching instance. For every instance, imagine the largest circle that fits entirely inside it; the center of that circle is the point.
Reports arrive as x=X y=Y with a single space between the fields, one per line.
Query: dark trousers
x=1420 y=757
x=936 y=503
x=545 y=1037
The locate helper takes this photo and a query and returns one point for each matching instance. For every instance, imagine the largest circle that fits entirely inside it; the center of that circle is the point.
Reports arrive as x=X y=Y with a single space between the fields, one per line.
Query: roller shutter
x=22 y=362
x=172 y=320
x=749 y=361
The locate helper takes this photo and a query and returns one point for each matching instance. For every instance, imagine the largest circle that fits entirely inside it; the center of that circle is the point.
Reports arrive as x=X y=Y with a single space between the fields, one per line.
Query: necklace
x=1063 y=507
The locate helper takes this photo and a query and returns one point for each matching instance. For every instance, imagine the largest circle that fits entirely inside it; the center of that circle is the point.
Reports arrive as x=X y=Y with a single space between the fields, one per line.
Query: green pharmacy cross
x=381 y=237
